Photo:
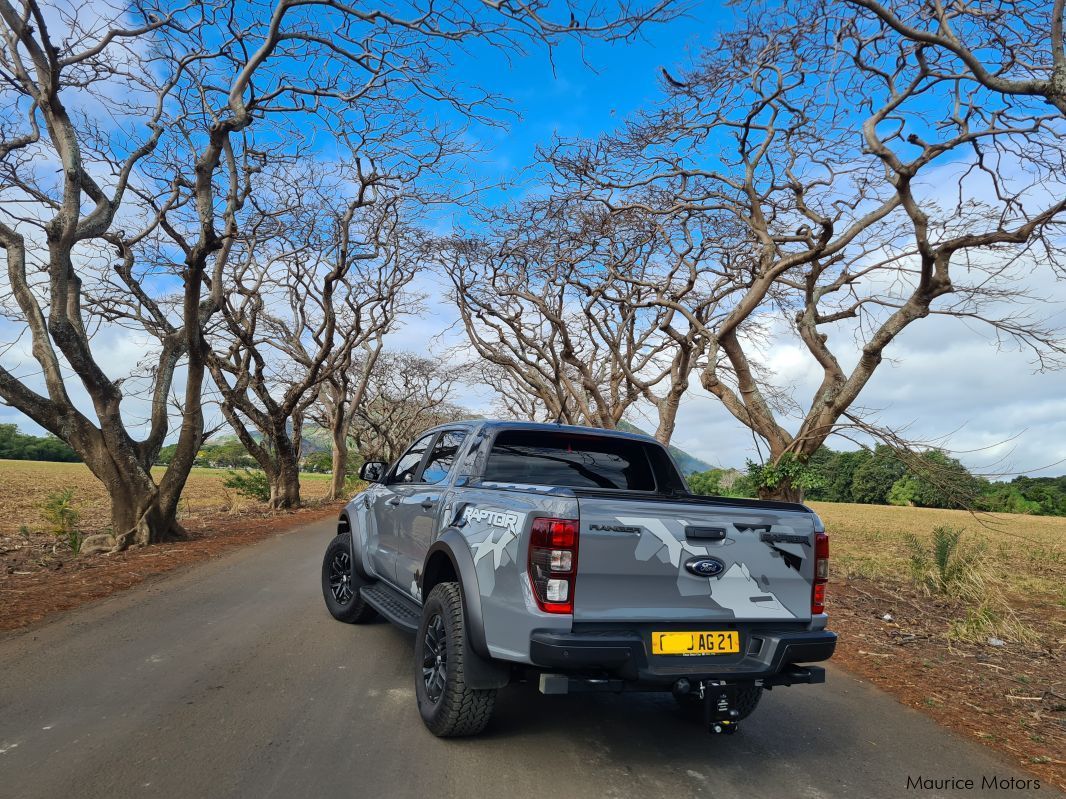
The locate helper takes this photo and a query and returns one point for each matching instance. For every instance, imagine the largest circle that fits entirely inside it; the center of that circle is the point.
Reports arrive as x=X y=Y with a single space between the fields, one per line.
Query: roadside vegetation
x=887 y=475
x=960 y=615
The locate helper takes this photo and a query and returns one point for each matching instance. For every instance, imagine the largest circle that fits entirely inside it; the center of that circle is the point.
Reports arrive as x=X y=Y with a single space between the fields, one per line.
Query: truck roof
x=496 y=425
x=509 y=424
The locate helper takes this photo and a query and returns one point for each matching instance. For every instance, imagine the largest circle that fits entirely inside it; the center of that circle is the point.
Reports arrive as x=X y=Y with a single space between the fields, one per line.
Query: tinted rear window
x=559 y=459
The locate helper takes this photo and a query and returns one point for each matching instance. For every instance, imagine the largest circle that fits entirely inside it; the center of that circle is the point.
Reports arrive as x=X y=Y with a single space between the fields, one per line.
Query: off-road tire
x=350 y=606
x=748 y=697
x=458 y=709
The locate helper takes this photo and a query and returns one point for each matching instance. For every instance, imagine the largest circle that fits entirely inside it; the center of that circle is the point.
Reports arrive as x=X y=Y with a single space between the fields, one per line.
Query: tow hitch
x=720 y=712
x=719 y=699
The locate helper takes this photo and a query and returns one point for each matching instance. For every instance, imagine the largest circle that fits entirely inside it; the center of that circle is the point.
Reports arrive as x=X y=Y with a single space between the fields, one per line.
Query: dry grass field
x=40 y=575
x=24 y=485
x=1027 y=553
x=985 y=659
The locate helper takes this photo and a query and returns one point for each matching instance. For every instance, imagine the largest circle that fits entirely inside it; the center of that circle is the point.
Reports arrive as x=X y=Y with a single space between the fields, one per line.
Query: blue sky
x=580 y=91
x=942 y=377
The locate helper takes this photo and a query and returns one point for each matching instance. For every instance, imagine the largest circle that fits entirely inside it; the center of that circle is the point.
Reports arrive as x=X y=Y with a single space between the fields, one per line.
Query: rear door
x=416 y=516
x=399 y=485
x=654 y=560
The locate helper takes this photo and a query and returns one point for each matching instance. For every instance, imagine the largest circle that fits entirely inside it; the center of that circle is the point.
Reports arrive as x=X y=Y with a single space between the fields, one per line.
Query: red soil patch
x=1012 y=698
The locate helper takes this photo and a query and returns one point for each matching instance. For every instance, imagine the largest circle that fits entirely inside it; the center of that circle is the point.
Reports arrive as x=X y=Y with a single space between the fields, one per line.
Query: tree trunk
x=784 y=491
x=667 y=419
x=285 y=482
x=140 y=514
x=340 y=463
x=139 y=518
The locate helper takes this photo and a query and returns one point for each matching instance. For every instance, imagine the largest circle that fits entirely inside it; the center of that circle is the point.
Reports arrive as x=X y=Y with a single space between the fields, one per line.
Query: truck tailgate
x=639 y=561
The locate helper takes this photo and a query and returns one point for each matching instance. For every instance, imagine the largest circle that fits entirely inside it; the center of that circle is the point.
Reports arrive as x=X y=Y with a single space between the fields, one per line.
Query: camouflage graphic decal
x=735 y=590
x=494 y=544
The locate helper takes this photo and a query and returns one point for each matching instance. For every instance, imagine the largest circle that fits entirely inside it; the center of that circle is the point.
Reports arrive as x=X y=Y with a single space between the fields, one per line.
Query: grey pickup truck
x=577 y=559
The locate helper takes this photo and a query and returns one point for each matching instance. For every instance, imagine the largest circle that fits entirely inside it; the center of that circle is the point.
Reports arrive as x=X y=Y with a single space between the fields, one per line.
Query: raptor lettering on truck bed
x=578 y=557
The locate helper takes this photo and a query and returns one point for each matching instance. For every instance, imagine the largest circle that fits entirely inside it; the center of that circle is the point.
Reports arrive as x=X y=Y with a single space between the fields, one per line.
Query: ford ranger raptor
x=577 y=558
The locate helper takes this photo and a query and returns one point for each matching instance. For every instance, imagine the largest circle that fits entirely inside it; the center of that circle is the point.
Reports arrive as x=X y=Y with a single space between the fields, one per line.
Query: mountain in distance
x=688 y=464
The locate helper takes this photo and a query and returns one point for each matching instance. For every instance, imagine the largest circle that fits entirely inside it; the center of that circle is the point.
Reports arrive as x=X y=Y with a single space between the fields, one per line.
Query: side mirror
x=373 y=471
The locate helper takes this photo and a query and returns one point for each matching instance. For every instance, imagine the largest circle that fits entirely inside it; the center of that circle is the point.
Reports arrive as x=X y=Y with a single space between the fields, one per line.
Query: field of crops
x=867 y=540
x=24 y=485
x=1028 y=553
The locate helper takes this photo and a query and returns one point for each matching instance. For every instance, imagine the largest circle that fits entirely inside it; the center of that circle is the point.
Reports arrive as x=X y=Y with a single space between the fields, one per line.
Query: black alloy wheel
x=435 y=659
x=341 y=583
x=448 y=705
x=340 y=577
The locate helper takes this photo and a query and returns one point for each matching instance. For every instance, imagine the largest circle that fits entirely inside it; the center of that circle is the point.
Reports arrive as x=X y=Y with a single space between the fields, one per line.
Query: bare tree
x=324 y=280
x=102 y=93
x=1014 y=49
x=404 y=395
x=55 y=229
x=858 y=186
x=563 y=306
x=343 y=391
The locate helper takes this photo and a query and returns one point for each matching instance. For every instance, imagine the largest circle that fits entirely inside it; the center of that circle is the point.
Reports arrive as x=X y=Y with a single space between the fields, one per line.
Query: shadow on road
x=638 y=728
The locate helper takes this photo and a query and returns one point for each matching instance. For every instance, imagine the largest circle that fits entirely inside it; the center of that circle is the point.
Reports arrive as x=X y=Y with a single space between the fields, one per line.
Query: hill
x=685 y=462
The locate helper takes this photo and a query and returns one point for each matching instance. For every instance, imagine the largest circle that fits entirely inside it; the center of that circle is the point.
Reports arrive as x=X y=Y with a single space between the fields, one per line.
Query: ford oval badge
x=705 y=567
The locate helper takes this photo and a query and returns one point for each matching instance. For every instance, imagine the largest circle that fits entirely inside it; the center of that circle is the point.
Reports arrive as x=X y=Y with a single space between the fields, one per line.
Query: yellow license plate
x=696 y=643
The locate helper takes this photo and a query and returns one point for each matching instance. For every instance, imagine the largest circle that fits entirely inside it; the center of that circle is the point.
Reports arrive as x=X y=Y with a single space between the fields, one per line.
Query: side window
x=407 y=465
x=443 y=456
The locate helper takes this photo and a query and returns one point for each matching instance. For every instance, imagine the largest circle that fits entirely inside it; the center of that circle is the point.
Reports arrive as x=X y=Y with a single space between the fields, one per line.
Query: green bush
x=708 y=483
x=62 y=517
x=936 y=480
x=320 y=462
x=788 y=469
x=721 y=483
x=19 y=446
x=833 y=471
x=946 y=565
x=874 y=477
x=904 y=491
x=251 y=483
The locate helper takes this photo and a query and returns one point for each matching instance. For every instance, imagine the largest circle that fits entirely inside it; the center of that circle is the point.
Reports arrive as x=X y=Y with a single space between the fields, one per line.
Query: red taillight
x=553 y=563
x=821 y=572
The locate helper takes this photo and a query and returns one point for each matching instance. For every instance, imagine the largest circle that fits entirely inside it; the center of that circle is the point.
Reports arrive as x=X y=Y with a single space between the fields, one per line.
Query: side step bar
x=394 y=606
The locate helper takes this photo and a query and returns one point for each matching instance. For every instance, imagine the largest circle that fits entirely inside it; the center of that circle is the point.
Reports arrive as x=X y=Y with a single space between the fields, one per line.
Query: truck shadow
x=634 y=728
x=803 y=723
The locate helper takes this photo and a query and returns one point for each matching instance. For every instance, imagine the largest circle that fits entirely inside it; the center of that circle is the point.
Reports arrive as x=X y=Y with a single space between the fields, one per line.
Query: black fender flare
x=344 y=525
x=482 y=671
x=452 y=544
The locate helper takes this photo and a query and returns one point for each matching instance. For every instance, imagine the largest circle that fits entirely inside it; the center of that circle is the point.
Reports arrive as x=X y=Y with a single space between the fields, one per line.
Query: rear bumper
x=626 y=655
